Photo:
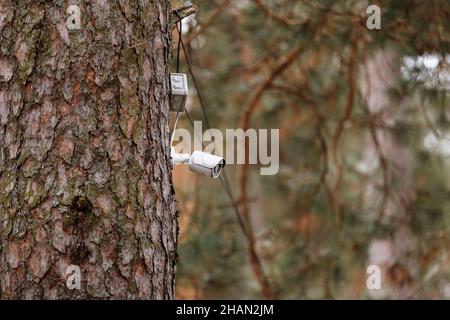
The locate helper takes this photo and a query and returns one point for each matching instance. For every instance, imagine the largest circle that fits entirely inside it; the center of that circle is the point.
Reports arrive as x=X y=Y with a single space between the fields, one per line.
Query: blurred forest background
x=364 y=150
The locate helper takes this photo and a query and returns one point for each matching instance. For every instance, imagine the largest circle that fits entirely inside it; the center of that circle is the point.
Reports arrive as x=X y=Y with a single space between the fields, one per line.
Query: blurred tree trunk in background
x=84 y=157
x=393 y=192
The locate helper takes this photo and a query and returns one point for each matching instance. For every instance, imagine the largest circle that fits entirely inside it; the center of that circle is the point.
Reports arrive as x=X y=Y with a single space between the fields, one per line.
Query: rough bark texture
x=84 y=157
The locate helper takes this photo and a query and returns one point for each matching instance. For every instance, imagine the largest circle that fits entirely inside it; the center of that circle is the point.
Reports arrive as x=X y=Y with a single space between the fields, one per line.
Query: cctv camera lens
x=216 y=171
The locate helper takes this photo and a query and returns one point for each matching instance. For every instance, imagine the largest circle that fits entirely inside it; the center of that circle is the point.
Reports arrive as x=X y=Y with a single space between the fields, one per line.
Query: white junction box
x=179 y=86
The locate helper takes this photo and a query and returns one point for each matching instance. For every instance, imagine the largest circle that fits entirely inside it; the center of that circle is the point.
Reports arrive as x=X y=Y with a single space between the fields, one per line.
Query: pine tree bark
x=85 y=177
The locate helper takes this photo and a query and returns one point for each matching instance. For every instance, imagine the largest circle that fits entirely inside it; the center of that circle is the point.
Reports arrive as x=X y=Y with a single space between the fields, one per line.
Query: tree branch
x=208 y=21
x=271 y=14
x=180 y=13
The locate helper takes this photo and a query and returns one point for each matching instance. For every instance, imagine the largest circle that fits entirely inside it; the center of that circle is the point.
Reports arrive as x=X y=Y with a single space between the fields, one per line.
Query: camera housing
x=200 y=162
x=206 y=164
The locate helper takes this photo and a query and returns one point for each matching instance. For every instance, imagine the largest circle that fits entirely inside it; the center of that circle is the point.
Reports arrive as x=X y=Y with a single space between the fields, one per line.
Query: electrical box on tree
x=179 y=87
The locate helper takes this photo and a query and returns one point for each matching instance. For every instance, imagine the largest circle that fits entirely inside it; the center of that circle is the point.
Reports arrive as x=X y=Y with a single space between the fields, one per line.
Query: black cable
x=223 y=179
x=200 y=97
x=226 y=186
x=180 y=32
x=178 y=70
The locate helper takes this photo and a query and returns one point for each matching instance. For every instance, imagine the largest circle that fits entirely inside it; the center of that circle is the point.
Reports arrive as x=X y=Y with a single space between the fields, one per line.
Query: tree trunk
x=396 y=255
x=85 y=178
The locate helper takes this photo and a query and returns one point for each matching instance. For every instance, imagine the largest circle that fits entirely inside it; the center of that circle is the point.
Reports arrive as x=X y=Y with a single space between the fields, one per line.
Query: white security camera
x=206 y=163
x=200 y=162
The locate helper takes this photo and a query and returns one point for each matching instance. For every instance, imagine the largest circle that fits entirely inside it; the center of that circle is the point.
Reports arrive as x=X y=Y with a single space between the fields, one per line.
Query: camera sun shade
x=179 y=86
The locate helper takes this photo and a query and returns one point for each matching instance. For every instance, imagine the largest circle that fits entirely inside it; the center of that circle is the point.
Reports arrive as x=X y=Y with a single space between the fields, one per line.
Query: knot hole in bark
x=81 y=204
x=81 y=222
